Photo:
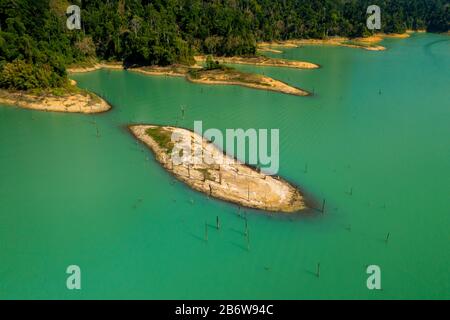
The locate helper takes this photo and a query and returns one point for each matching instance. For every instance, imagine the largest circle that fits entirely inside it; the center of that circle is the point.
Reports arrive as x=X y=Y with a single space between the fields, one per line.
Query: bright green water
x=69 y=197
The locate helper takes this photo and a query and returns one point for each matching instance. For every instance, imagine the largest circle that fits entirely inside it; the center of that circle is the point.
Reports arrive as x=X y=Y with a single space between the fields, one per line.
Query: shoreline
x=95 y=67
x=261 y=61
x=368 y=43
x=211 y=77
x=259 y=82
x=226 y=178
x=170 y=71
x=270 y=50
x=76 y=102
x=336 y=42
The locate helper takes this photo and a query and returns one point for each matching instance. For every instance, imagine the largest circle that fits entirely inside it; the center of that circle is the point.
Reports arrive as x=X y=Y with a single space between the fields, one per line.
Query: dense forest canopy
x=35 y=44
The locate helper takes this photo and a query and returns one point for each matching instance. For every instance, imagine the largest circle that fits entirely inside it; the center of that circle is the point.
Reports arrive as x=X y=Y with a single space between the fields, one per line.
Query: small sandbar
x=218 y=175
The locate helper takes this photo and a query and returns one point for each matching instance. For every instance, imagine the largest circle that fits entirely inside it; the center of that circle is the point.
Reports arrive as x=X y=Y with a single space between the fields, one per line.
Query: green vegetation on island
x=162 y=137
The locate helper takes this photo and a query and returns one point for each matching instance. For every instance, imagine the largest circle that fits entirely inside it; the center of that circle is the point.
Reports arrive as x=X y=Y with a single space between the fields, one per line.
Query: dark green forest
x=36 y=46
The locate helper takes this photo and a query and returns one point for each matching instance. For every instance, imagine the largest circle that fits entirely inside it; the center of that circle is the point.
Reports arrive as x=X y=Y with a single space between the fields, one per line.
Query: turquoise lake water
x=374 y=139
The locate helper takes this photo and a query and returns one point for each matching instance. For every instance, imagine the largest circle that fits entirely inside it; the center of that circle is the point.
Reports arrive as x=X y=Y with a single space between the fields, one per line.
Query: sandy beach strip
x=95 y=67
x=366 y=43
x=261 y=61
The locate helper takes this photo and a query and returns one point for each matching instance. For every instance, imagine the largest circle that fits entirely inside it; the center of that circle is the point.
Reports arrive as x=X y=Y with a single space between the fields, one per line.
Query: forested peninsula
x=36 y=47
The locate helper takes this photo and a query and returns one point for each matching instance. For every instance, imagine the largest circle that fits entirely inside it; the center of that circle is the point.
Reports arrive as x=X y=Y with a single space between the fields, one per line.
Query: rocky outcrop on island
x=217 y=175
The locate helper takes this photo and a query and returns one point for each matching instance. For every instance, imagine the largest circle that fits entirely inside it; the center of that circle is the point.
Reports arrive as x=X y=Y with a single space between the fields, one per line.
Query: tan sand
x=223 y=177
x=97 y=66
x=395 y=35
x=72 y=103
x=280 y=44
x=265 y=49
x=255 y=81
x=172 y=71
x=416 y=31
x=367 y=43
x=262 y=61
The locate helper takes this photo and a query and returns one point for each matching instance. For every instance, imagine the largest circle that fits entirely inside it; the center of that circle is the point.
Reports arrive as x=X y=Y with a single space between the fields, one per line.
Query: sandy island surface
x=220 y=176
x=250 y=80
x=367 y=43
x=176 y=70
x=342 y=42
x=262 y=61
x=81 y=102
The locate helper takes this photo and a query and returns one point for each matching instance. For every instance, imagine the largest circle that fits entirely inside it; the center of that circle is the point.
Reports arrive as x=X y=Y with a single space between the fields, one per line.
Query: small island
x=72 y=100
x=229 y=76
x=213 y=73
x=220 y=176
x=260 y=60
x=45 y=87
